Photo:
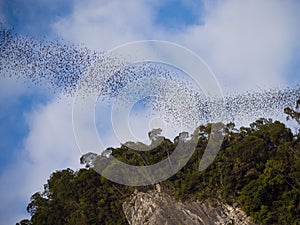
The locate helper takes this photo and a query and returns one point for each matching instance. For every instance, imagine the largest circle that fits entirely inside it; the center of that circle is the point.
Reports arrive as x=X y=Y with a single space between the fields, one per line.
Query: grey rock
x=159 y=208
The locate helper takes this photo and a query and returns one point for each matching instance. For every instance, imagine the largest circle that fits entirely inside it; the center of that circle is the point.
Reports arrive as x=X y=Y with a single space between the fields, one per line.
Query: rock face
x=155 y=207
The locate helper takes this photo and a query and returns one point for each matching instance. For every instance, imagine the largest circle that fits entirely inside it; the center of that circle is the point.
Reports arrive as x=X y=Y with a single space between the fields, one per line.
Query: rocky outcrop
x=155 y=207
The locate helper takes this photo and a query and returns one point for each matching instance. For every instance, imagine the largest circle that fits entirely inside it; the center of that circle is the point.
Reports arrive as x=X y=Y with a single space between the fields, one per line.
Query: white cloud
x=51 y=135
x=248 y=44
x=102 y=25
x=49 y=146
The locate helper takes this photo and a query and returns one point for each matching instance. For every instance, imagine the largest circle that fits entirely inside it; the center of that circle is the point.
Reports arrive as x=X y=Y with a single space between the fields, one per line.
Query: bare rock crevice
x=158 y=208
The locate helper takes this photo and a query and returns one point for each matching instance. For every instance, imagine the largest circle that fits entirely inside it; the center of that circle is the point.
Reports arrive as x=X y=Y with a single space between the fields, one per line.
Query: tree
x=293 y=113
x=154 y=134
x=257 y=167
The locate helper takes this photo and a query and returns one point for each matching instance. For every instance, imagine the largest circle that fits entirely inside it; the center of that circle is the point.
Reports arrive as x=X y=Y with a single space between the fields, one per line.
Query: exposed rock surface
x=155 y=207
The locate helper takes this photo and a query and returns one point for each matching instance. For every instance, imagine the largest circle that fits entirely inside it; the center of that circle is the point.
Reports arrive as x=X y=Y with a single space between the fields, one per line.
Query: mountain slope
x=154 y=208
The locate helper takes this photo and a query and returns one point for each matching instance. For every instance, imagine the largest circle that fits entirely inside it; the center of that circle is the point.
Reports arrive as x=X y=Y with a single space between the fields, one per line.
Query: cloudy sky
x=248 y=44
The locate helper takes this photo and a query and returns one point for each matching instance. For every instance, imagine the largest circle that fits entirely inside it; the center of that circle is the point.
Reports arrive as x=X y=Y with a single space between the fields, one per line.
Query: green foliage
x=24 y=222
x=80 y=197
x=257 y=168
x=293 y=113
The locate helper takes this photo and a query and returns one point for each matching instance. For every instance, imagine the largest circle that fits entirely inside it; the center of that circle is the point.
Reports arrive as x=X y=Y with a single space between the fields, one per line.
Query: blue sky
x=34 y=18
x=176 y=14
x=249 y=45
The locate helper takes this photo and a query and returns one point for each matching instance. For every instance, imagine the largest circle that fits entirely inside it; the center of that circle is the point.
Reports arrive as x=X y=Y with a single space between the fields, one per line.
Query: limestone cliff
x=155 y=207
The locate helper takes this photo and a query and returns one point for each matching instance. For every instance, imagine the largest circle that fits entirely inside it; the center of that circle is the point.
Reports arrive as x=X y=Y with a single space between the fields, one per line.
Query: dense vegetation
x=257 y=168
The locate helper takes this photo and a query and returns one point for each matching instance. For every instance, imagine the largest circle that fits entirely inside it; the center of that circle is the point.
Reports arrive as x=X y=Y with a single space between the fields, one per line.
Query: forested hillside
x=257 y=169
